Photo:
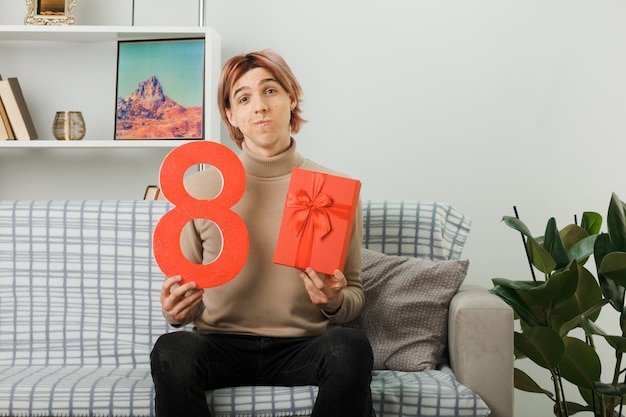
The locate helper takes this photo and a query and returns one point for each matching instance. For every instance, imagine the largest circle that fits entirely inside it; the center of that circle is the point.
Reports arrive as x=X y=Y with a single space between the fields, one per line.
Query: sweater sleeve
x=201 y=239
x=353 y=296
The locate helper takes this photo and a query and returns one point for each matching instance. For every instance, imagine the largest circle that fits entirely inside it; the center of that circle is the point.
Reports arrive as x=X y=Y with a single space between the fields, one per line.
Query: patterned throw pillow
x=406 y=308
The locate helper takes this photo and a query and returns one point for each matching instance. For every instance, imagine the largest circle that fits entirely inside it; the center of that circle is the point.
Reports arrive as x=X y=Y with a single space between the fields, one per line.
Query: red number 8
x=166 y=239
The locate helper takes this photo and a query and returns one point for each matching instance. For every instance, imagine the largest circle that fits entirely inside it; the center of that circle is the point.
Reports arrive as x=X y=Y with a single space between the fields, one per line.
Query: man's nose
x=259 y=104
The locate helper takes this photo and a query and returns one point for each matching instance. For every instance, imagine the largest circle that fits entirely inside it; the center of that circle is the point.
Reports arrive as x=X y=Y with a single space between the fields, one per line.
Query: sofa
x=80 y=311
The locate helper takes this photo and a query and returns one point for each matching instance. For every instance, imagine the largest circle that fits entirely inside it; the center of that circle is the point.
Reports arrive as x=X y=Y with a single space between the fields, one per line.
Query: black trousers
x=186 y=364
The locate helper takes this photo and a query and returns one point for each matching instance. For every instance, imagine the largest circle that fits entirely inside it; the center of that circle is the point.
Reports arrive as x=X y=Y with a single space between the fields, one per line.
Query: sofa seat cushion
x=76 y=391
x=426 y=393
x=126 y=390
x=262 y=401
x=394 y=394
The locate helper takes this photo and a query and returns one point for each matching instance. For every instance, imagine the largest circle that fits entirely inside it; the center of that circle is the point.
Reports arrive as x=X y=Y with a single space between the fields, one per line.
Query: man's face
x=261 y=110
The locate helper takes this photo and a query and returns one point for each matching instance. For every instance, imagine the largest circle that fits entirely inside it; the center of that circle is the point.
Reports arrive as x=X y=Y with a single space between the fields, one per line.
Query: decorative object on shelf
x=152 y=192
x=50 y=12
x=160 y=89
x=68 y=125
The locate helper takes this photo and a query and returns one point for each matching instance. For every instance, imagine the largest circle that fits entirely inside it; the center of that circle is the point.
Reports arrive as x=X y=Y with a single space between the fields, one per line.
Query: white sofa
x=79 y=313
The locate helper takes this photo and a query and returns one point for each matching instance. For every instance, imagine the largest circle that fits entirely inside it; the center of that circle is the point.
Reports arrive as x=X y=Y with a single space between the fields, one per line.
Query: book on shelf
x=6 y=132
x=17 y=111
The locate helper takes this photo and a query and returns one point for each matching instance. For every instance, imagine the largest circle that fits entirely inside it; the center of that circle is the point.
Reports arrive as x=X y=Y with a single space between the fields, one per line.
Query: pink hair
x=238 y=65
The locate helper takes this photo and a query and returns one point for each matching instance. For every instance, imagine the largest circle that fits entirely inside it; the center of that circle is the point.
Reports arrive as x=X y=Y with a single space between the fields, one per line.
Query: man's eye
x=270 y=91
x=243 y=99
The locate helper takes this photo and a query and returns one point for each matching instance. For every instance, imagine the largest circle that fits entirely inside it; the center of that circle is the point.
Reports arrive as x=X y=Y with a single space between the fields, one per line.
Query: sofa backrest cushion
x=423 y=229
x=65 y=264
x=79 y=285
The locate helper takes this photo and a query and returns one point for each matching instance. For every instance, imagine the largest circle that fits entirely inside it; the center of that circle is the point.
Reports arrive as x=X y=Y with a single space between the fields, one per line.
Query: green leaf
x=591 y=222
x=583 y=249
x=587 y=395
x=592 y=312
x=517 y=224
x=542 y=345
x=553 y=245
x=514 y=285
x=539 y=257
x=611 y=291
x=616 y=223
x=613 y=266
x=525 y=383
x=573 y=408
x=610 y=390
x=559 y=288
x=587 y=300
x=591 y=328
x=517 y=303
x=602 y=247
x=617 y=342
x=572 y=234
x=580 y=363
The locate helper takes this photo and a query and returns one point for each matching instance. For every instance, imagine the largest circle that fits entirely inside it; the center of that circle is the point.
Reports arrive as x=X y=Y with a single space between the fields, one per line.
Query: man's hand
x=181 y=303
x=324 y=290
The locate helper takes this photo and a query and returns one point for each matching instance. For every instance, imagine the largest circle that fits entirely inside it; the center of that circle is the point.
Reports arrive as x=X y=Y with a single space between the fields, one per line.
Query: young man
x=271 y=324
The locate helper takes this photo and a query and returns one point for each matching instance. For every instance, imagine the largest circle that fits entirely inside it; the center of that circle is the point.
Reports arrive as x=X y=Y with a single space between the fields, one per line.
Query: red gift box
x=317 y=221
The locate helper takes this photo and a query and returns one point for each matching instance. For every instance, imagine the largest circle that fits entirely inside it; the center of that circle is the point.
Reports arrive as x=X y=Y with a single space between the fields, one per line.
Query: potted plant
x=557 y=310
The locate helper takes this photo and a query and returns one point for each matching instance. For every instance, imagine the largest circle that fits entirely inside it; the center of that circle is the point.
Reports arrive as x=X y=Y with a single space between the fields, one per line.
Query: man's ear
x=229 y=116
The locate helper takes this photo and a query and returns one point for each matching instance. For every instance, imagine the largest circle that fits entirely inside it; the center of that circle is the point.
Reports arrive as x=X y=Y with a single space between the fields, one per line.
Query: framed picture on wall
x=160 y=89
x=50 y=12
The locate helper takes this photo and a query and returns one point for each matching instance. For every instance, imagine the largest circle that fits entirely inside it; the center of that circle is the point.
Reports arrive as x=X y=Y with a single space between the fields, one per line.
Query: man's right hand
x=181 y=303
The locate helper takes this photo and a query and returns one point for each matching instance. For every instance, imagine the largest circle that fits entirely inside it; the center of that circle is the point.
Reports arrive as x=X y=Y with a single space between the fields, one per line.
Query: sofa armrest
x=480 y=345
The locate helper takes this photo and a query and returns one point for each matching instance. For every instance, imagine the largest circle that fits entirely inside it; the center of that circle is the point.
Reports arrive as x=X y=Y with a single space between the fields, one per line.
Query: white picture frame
x=50 y=12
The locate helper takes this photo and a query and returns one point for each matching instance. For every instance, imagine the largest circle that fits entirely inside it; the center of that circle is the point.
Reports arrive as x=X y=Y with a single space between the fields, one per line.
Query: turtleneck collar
x=274 y=166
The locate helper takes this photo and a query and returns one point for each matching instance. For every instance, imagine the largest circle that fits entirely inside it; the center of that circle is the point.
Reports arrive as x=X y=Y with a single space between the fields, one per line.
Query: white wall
x=485 y=104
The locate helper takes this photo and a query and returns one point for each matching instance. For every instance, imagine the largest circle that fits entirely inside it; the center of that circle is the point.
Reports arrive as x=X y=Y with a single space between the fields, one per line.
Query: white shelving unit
x=94 y=47
x=81 y=33
x=88 y=144
x=75 y=68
